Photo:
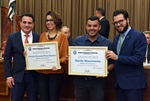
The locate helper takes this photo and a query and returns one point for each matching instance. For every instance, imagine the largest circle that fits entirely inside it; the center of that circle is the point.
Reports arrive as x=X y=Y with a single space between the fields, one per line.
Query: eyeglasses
x=120 y=22
x=47 y=20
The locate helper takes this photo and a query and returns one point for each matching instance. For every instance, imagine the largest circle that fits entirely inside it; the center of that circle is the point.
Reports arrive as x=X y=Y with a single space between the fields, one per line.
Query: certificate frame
x=42 y=56
x=90 y=65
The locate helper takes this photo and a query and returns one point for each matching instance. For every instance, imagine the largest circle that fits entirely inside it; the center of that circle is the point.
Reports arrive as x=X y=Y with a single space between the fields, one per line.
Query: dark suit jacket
x=14 y=49
x=148 y=53
x=129 y=71
x=105 y=27
x=70 y=41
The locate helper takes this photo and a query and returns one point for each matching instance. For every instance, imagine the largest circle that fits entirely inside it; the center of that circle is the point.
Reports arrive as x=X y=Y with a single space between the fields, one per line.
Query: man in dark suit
x=67 y=32
x=105 y=26
x=147 y=35
x=17 y=77
x=128 y=60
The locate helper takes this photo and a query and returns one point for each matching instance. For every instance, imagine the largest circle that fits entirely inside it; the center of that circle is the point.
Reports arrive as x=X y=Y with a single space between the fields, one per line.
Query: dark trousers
x=129 y=95
x=89 y=88
x=28 y=85
x=49 y=86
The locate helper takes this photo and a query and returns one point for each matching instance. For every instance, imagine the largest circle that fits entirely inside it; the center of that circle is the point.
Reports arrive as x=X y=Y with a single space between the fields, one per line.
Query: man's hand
x=111 y=55
x=10 y=82
x=55 y=68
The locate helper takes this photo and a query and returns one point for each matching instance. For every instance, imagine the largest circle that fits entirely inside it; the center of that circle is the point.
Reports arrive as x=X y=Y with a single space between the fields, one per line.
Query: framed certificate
x=87 y=61
x=42 y=56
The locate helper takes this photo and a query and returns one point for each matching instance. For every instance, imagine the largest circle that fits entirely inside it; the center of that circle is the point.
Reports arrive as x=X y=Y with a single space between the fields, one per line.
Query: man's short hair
x=101 y=10
x=93 y=18
x=121 y=11
x=146 y=32
x=28 y=15
x=65 y=27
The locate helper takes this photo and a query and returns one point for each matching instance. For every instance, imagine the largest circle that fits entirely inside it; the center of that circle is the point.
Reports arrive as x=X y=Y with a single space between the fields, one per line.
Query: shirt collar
x=98 y=38
x=127 y=31
x=101 y=17
x=23 y=34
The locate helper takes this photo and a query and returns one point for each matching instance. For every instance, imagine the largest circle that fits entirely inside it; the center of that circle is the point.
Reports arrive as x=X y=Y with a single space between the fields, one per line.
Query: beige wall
x=75 y=12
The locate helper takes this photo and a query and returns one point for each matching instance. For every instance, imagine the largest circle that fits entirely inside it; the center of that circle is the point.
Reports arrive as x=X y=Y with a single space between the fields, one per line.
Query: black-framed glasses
x=120 y=22
x=47 y=20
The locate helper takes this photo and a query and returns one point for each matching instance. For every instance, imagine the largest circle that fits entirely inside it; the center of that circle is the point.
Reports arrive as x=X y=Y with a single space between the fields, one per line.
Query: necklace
x=51 y=38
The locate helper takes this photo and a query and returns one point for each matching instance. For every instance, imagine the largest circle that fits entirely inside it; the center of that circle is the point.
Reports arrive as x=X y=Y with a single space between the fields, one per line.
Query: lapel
x=19 y=40
x=35 y=38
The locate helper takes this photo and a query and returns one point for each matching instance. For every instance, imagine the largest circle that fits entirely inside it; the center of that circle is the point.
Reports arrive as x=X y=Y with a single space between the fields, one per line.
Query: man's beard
x=124 y=30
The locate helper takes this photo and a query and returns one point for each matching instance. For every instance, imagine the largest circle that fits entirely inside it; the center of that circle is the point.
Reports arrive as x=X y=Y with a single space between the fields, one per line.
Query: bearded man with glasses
x=128 y=61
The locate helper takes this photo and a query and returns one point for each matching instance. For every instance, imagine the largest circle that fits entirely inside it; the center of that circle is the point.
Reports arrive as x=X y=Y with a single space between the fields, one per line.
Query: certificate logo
x=29 y=48
x=74 y=52
x=87 y=71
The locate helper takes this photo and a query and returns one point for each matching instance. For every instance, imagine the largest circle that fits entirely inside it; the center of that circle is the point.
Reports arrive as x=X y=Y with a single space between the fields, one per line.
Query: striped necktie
x=26 y=38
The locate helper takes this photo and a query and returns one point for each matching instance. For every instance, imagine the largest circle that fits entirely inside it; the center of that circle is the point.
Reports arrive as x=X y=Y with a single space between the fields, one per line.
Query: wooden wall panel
x=3 y=87
x=7 y=26
x=67 y=91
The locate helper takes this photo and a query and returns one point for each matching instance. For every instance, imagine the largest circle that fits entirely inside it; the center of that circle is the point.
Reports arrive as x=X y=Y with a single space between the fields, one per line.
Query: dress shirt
x=125 y=34
x=30 y=37
x=101 y=17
